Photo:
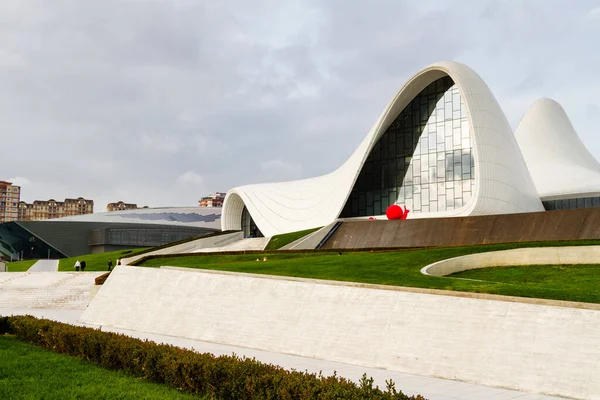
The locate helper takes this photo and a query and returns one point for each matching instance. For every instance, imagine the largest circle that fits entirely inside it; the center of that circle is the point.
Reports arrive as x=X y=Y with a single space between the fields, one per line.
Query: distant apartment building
x=50 y=209
x=10 y=196
x=212 y=200
x=119 y=206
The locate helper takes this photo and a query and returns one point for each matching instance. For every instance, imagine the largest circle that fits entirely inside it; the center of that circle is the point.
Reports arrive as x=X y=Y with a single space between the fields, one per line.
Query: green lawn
x=398 y=268
x=278 y=241
x=20 y=266
x=95 y=262
x=30 y=372
x=579 y=280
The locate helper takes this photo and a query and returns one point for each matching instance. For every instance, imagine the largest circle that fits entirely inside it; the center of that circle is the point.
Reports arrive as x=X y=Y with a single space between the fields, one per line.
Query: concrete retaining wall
x=191 y=246
x=543 y=349
x=529 y=256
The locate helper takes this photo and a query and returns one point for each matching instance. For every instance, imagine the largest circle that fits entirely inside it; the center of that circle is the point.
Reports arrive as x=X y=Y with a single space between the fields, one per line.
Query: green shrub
x=223 y=377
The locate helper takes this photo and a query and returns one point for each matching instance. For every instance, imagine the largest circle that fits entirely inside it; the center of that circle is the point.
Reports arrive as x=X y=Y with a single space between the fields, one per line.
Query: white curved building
x=442 y=147
x=565 y=174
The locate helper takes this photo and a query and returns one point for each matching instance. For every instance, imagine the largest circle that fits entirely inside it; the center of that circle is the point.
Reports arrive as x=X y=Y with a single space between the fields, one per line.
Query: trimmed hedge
x=223 y=377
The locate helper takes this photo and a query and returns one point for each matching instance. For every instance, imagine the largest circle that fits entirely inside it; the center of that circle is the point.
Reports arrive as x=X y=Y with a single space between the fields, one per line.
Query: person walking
x=109 y=265
x=82 y=265
x=77 y=265
x=118 y=261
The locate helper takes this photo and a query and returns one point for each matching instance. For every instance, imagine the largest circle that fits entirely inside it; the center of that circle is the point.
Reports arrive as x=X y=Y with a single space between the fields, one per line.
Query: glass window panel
x=448 y=143
x=417 y=202
x=457 y=172
x=588 y=202
x=441 y=203
x=433 y=206
x=458 y=203
x=450 y=200
x=448 y=111
x=456 y=102
x=425 y=196
x=433 y=174
x=596 y=201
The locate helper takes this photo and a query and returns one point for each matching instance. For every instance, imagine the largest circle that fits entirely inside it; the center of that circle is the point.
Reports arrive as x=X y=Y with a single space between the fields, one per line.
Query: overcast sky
x=160 y=102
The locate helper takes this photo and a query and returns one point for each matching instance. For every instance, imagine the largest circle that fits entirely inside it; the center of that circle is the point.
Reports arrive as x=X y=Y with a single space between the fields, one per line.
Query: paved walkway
x=65 y=290
x=44 y=266
x=429 y=387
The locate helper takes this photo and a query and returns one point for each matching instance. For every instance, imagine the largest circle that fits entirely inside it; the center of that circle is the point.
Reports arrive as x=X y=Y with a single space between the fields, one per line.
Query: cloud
x=112 y=106
x=281 y=170
x=20 y=181
x=190 y=178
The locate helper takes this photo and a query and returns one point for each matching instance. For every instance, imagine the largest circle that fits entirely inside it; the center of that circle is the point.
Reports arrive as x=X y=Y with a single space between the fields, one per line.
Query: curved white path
x=44 y=266
x=564 y=255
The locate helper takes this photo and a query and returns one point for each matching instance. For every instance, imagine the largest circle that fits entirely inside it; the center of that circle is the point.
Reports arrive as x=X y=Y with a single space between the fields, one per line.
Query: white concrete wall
x=543 y=349
x=528 y=256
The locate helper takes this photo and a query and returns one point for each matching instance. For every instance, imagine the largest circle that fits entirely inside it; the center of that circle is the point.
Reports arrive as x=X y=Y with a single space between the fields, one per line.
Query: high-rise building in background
x=10 y=196
x=212 y=200
x=119 y=206
x=41 y=209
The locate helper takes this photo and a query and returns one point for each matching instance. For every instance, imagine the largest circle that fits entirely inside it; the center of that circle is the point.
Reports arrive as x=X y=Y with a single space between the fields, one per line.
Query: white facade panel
x=559 y=163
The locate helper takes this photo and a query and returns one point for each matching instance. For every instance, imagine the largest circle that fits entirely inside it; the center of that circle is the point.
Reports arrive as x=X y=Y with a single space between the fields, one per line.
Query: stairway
x=58 y=290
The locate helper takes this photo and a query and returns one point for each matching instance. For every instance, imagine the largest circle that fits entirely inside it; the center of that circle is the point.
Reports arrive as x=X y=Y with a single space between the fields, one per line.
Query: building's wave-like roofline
x=503 y=184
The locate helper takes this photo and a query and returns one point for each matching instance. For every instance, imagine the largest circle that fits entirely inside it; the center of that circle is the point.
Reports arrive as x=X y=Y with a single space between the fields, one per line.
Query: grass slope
x=30 y=372
x=399 y=268
x=95 y=262
x=278 y=241
x=20 y=266
x=581 y=281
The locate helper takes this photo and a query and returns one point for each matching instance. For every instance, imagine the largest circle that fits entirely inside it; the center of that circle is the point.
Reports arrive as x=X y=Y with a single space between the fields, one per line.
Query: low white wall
x=527 y=256
x=543 y=349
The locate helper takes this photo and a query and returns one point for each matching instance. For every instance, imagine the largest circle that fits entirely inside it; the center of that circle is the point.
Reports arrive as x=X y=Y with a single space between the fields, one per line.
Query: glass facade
x=424 y=160
x=571 y=204
x=18 y=243
x=249 y=226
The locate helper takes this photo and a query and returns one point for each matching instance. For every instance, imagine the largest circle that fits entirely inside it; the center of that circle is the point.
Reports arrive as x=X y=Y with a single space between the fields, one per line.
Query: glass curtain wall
x=424 y=160
x=249 y=226
x=571 y=204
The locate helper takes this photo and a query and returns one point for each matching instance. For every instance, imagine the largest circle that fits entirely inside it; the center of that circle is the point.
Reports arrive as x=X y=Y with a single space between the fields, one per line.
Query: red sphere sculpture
x=394 y=212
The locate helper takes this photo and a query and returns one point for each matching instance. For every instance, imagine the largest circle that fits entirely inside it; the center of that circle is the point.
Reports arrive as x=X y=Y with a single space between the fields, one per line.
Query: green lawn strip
x=581 y=282
x=20 y=266
x=30 y=372
x=278 y=241
x=397 y=268
x=95 y=262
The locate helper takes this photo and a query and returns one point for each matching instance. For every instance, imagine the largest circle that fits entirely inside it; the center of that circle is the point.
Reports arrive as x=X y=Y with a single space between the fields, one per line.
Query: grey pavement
x=429 y=387
x=44 y=266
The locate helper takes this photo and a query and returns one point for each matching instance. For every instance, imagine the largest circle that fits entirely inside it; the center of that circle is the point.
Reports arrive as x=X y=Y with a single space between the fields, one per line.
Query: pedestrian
x=109 y=265
x=118 y=261
x=82 y=265
x=77 y=265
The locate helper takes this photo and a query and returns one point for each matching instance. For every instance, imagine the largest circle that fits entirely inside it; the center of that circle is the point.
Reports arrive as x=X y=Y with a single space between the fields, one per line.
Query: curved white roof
x=503 y=184
x=559 y=163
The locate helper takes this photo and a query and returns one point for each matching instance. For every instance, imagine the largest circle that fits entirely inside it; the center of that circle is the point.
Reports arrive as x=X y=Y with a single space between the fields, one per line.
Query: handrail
x=331 y=232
